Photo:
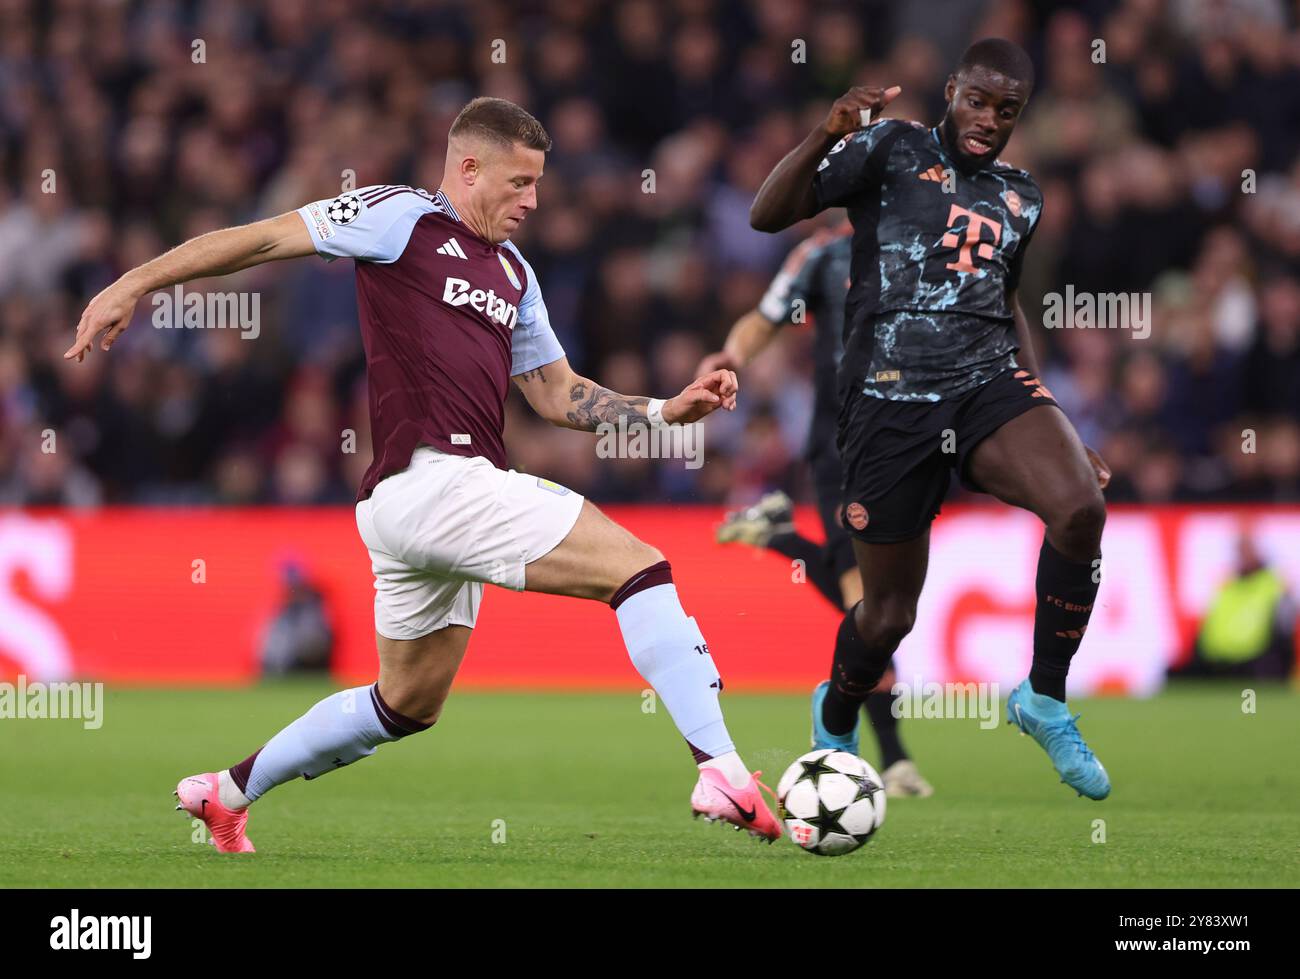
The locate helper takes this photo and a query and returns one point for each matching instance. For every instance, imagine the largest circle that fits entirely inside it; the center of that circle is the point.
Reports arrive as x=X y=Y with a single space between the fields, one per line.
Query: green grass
x=594 y=793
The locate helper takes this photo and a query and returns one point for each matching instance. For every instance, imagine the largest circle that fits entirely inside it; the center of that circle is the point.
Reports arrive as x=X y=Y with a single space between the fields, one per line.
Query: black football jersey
x=935 y=251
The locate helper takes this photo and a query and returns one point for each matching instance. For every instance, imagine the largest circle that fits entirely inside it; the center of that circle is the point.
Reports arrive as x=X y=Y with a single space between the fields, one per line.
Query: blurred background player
x=451 y=313
x=939 y=373
x=812 y=286
x=1249 y=630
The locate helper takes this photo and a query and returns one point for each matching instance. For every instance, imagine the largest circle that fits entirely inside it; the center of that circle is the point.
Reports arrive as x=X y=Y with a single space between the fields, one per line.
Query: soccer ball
x=831 y=802
x=344 y=210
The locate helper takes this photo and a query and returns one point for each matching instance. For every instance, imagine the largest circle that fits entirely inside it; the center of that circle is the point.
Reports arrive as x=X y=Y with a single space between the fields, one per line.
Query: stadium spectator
x=1169 y=168
x=1249 y=629
x=298 y=638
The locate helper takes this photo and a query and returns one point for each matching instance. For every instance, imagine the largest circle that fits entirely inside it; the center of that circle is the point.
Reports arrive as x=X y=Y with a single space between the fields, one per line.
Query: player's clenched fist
x=703 y=396
x=846 y=113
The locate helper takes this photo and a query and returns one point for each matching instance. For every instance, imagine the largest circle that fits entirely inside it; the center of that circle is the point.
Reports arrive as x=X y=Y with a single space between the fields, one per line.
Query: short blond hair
x=502 y=122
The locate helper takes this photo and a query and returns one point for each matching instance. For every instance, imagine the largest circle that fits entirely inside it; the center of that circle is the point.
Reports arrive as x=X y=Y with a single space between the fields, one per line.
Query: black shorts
x=828 y=480
x=898 y=455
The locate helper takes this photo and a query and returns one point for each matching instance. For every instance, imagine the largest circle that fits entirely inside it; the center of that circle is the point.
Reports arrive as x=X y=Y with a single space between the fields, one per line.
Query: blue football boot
x=1048 y=722
x=822 y=738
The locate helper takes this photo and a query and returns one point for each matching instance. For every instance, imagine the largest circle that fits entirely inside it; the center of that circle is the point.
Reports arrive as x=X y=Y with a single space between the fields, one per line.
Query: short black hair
x=502 y=122
x=999 y=55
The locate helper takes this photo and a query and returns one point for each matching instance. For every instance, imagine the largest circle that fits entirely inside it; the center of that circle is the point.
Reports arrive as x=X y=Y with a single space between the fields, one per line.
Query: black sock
x=855 y=671
x=1066 y=592
x=816 y=567
x=883 y=722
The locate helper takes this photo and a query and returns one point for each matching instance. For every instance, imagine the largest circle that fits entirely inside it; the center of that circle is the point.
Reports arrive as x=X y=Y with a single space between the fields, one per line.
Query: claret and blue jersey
x=935 y=251
x=447 y=318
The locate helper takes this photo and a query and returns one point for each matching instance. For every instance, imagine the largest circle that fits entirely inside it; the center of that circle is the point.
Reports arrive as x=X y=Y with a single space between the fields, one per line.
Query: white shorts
x=446 y=524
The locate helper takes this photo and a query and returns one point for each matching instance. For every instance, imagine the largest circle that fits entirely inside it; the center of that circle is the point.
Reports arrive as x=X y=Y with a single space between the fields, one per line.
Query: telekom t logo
x=974 y=224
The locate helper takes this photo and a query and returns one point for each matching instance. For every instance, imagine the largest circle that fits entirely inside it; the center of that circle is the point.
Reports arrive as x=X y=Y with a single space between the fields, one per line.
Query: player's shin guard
x=344 y=727
x=855 y=670
x=667 y=649
x=1066 y=593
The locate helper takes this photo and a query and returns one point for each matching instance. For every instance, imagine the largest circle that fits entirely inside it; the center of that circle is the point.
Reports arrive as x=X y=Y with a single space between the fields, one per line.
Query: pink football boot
x=198 y=796
x=715 y=799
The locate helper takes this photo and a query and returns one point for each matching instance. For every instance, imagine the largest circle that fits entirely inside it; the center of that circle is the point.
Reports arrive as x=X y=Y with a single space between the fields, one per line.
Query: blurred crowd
x=1164 y=135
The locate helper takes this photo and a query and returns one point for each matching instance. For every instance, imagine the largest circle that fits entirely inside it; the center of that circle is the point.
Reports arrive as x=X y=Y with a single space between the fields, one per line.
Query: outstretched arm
x=215 y=253
x=749 y=336
x=787 y=196
x=566 y=398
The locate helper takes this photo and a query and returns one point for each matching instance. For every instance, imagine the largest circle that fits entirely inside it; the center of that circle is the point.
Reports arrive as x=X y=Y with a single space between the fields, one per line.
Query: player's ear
x=469 y=168
x=950 y=89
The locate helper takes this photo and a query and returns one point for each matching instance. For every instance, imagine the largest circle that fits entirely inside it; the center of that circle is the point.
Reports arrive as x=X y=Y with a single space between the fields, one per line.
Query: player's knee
x=647 y=555
x=891 y=630
x=627 y=572
x=884 y=621
x=421 y=704
x=1077 y=530
x=430 y=713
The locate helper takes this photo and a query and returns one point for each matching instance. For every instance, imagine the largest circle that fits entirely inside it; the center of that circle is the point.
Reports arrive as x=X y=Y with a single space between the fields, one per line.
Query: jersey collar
x=449 y=209
x=446 y=205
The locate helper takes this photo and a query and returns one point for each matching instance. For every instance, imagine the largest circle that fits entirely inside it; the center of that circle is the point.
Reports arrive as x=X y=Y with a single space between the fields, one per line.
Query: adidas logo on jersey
x=457 y=292
x=452 y=248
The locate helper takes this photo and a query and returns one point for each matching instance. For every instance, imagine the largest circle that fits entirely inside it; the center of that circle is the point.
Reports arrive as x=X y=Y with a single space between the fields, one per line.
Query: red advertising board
x=154 y=596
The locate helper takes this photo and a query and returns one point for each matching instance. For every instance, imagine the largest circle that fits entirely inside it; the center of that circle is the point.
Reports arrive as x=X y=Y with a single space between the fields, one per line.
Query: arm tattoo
x=599 y=405
x=536 y=374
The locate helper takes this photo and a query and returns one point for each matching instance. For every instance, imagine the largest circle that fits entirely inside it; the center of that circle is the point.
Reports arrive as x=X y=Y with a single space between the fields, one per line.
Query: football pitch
x=588 y=790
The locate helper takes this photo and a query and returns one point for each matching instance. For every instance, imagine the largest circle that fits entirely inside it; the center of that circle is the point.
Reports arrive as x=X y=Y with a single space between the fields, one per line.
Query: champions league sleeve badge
x=344 y=209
